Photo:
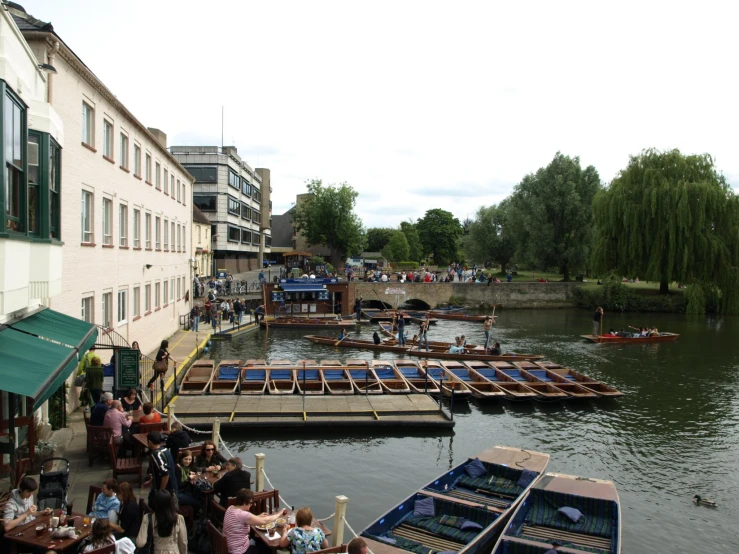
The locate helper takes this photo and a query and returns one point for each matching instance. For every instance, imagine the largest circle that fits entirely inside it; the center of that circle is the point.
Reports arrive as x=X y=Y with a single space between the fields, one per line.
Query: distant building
x=201 y=243
x=287 y=239
x=236 y=200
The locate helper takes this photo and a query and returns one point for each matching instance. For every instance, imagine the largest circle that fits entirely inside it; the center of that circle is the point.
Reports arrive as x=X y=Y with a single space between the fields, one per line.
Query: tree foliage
x=670 y=217
x=377 y=238
x=415 y=250
x=490 y=237
x=439 y=232
x=396 y=250
x=327 y=217
x=551 y=216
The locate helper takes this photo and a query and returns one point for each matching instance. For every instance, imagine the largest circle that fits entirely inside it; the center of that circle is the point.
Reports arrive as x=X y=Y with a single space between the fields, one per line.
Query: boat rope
x=343 y=518
x=285 y=502
x=223 y=444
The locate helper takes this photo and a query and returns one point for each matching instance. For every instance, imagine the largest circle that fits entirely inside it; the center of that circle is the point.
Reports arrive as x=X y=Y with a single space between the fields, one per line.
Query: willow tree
x=670 y=217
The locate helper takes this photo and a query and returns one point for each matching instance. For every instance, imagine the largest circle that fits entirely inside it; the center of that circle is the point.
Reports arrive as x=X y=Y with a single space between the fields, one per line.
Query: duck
x=698 y=501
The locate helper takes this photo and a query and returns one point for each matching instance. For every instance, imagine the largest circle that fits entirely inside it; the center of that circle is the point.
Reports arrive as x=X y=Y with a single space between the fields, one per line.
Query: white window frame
x=88 y=217
x=136 y=160
x=107 y=221
x=165 y=291
x=108 y=139
x=157 y=294
x=136 y=308
x=108 y=309
x=147 y=298
x=147 y=230
x=171 y=290
x=123 y=225
x=166 y=180
x=124 y=150
x=184 y=195
x=158 y=232
x=147 y=169
x=136 y=228
x=172 y=191
x=88 y=311
x=122 y=306
x=157 y=177
x=88 y=124
x=165 y=242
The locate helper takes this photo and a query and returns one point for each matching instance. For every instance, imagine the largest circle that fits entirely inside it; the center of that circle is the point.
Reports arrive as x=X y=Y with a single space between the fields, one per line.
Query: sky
x=418 y=105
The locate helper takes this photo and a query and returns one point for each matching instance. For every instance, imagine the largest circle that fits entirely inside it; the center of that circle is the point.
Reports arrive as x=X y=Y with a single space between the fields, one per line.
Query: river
x=672 y=436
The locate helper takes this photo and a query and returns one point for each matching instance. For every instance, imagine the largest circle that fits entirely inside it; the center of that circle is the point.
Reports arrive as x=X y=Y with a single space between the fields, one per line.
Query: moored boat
x=482 y=371
x=281 y=381
x=197 y=379
x=355 y=343
x=364 y=379
x=390 y=379
x=225 y=377
x=309 y=381
x=546 y=391
x=446 y=384
x=573 y=389
x=610 y=339
x=337 y=381
x=253 y=380
x=561 y=373
x=540 y=519
x=483 y=491
x=417 y=380
x=480 y=389
x=477 y=353
x=299 y=322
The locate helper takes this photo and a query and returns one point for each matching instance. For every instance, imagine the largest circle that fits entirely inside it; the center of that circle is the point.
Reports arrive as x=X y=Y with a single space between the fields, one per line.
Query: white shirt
x=384 y=278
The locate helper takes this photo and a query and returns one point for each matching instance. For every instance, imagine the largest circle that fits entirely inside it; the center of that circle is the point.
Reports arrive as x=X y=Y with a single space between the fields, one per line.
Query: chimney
x=160 y=136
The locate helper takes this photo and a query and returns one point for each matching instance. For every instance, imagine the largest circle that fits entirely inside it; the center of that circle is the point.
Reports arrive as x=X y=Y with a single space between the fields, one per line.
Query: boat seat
x=499 y=485
x=577 y=540
x=540 y=374
x=426 y=540
x=471 y=496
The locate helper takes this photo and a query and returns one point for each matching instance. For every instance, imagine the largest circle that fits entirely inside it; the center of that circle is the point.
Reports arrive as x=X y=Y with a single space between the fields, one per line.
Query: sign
x=221 y=274
x=394 y=290
x=127 y=369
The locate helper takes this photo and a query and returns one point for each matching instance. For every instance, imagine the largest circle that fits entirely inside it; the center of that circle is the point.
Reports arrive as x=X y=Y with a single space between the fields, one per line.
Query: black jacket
x=231 y=483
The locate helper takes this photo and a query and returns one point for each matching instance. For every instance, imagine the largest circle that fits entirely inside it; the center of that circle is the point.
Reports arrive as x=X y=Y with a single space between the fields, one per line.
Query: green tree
x=396 y=250
x=327 y=217
x=377 y=238
x=551 y=215
x=415 y=250
x=489 y=236
x=670 y=217
x=439 y=232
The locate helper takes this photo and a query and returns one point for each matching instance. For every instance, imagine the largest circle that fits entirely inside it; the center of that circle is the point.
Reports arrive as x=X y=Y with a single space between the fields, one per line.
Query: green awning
x=31 y=364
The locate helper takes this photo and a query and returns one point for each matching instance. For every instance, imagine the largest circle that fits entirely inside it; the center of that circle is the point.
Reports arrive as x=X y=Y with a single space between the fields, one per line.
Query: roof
x=371 y=255
x=198 y=216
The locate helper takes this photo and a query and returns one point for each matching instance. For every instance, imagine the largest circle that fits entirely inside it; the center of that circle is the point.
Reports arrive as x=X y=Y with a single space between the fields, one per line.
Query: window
x=172 y=235
x=246 y=187
x=184 y=194
x=233 y=180
x=15 y=137
x=234 y=234
x=107 y=221
x=206 y=202
x=147 y=168
x=245 y=211
x=255 y=237
x=107 y=139
x=157 y=176
x=108 y=310
x=179 y=242
x=122 y=306
x=158 y=233
x=44 y=185
x=203 y=174
x=55 y=188
x=166 y=289
x=234 y=206
x=147 y=298
x=122 y=225
x=157 y=295
x=179 y=295
x=245 y=236
x=178 y=191
x=87 y=236
x=124 y=151
x=256 y=217
x=136 y=228
x=198 y=228
x=171 y=289
x=88 y=309
x=34 y=199
x=137 y=160
x=136 y=302
x=184 y=246
x=166 y=178
x=166 y=234
x=147 y=231
x=172 y=191
x=88 y=124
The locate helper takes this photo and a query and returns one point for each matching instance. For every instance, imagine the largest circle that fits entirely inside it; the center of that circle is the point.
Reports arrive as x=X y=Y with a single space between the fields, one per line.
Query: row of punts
x=522 y=380
x=502 y=502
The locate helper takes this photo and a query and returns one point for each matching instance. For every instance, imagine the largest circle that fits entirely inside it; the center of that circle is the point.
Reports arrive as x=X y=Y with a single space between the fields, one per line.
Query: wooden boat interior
x=365 y=380
x=309 y=381
x=257 y=361
x=281 y=381
x=226 y=377
x=391 y=380
x=574 y=389
x=416 y=378
x=480 y=388
x=513 y=389
x=337 y=381
x=545 y=390
x=253 y=380
x=198 y=377
x=333 y=363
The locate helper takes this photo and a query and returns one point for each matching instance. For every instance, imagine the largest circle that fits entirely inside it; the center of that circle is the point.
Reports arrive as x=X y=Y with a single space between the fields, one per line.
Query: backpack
x=200 y=541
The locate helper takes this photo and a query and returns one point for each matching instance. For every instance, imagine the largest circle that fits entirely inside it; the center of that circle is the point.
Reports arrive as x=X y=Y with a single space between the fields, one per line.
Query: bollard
x=260 y=472
x=216 y=431
x=170 y=416
x=339 y=515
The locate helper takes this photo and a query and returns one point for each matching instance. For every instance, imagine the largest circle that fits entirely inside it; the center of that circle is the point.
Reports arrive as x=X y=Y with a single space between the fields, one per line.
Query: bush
x=404 y=266
x=614 y=296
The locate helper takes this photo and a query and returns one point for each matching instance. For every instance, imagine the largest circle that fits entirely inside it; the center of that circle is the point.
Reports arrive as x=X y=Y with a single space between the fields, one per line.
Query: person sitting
x=462 y=341
x=107 y=505
x=177 y=438
x=187 y=493
x=119 y=422
x=456 y=342
x=131 y=401
x=19 y=508
x=655 y=333
x=495 y=350
x=612 y=333
x=100 y=536
x=238 y=519
x=343 y=334
x=456 y=349
x=304 y=537
x=209 y=458
x=150 y=414
x=623 y=333
x=97 y=416
x=236 y=478
x=169 y=530
x=376 y=338
x=129 y=516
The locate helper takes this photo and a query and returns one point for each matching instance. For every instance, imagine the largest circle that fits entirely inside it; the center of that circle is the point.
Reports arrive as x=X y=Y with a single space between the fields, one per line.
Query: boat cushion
x=495 y=484
x=432 y=525
x=527 y=477
x=475 y=468
x=229 y=373
x=424 y=508
x=599 y=516
x=470 y=525
x=573 y=513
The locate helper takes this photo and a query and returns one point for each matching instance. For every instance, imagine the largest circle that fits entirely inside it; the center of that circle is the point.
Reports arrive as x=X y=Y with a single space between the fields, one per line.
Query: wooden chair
x=146 y=428
x=97 y=442
x=218 y=544
x=265 y=502
x=216 y=513
x=124 y=466
x=92 y=494
x=110 y=549
x=333 y=549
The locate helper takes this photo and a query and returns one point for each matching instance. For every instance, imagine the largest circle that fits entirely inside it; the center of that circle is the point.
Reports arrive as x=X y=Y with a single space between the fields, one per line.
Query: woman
x=162 y=355
x=304 y=537
x=167 y=527
x=129 y=517
x=237 y=521
x=150 y=414
x=187 y=493
x=135 y=346
x=210 y=458
x=100 y=536
x=131 y=401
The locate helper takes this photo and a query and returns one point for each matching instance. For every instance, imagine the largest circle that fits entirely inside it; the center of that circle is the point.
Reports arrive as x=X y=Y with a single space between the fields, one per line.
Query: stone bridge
x=504 y=295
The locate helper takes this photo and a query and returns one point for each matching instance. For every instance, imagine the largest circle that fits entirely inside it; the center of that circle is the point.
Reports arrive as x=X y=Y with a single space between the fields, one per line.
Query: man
x=177 y=439
x=236 y=478
x=487 y=327
x=237 y=311
x=85 y=360
x=119 y=422
x=94 y=378
x=97 y=416
x=161 y=465
x=107 y=505
x=225 y=309
x=358 y=308
x=214 y=314
x=357 y=546
x=259 y=311
x=495 y=350
x=401 y=329
x=195 y=317
x=261 y=278
x=20 y=509
x=555 y=548
x=597 y=318
x=423 y=333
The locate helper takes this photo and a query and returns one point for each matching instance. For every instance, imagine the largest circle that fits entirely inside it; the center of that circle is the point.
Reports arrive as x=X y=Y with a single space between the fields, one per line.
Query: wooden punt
x=447 y=385
x=255 y=361
x=387 y=315
x=281 y=381
x=309 y=381
x=364 y=379
x=306 y=362
x=482 y=371
x=197 y=379
x=608 y=339
x=390 y=379
x=280 y=362
x=387 y=330
x=438 y=314
x=299 y=323
x=488 y=500
x=573 y=389
x=416 y=379
x=480 y=389
x=535 y=522
x=225 y=377
x=355 y=343
x=562 y=374
x=337 y=381
x=546 y=391
x=253 y=380
x=332 y=363
x=477 y=353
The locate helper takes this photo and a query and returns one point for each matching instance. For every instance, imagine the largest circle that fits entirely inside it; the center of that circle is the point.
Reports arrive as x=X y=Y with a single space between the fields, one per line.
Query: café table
x=24 y=536
x=273 y=541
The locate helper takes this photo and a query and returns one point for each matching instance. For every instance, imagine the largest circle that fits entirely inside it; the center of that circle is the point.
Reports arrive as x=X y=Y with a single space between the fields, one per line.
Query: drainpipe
x=52 y=59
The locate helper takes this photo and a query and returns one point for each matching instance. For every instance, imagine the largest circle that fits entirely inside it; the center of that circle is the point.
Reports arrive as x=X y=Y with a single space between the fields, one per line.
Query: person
x=195 y=317
x=162 y=467
x=131 y=401
x=495 y=350
x=462 y=341
x=94 y=378
x=119 y=422
x=97 y=416
x=376 y=338
x=487 y=327
x=261 y=277
x=384 y=278
x=237 y=523
x=209 y=458
x=236 y=479
x=206 y=312
x=187 y=493
x=401 y=329
x=129 y=515
x=304 y=537
x=358 y=308
x=555 y=547
x=19 y=508
x=357 y=546
x=168 y=527
x=101 y=535
x=214 y=313
x=423 y=333
x=238 y=311
x=612 y=332
x=343 y=334
x=107 y=505
x=177 y=439
x=225 y=307
x=259 y=311
x=597 y=318
x=150 y=414
x=162 y=355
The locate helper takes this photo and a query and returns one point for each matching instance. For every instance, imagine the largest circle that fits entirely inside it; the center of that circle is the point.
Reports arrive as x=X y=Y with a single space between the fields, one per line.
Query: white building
x=201 y=243
x=126 y=204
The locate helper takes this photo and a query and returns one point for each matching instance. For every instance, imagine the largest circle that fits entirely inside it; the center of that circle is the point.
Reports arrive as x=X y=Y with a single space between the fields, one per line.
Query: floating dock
x=261 y=412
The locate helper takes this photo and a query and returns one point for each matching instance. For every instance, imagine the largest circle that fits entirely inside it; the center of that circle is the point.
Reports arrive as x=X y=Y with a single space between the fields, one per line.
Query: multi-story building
x=236 y=200
x=201 y=243
x=126 y=204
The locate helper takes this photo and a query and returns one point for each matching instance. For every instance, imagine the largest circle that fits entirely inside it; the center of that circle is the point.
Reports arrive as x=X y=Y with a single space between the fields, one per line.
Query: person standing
x=214 y=314
x=162 y=466
x=195 y=317
x=401 y=329
x=358 y=308
x=238 y=311
x=597 y=318
x=423 y=333
x=94 y=378
x=487 y=327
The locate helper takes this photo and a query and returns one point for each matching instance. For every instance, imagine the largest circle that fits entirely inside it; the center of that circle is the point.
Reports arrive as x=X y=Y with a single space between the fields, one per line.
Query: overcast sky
x=418 y=105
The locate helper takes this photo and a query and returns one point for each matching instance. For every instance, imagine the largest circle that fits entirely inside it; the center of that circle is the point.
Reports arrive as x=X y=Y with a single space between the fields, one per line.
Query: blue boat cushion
x=573 y=513
x=600 y=516
x=424 y=508
x=496 y=484
x=470 y=525
x=527 y=477
x=432 y=524
x=475 y=468
x=229 y=373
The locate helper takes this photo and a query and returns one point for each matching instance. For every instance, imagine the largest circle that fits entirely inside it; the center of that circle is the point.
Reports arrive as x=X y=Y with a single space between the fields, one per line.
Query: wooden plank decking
x=412 y=410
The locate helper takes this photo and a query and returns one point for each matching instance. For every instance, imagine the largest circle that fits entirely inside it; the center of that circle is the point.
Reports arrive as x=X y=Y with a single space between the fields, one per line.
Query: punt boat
x=560 y=374
x=257 y=361
x=387 y=329
x=546 y=391
x=364 y=379
x=472 y=353
x=226 y=377
x=457 y=316
x=482 y=371
x=253 y=380
x=301 y=322
x=416 y=379
x=609 y=339
x=281 y=381
x=485 y=491
x=480 y=389
x=331 y=363
x=355 y=343
x=537 y=521
x=337 y=381
x=197 y=379
x=391 y=380
x=447 y=385
x=306 y=362
x=309 y=381
x=573 y=389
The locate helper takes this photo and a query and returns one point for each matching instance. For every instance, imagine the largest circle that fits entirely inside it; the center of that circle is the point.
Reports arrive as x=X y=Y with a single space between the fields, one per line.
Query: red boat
x=611 y=339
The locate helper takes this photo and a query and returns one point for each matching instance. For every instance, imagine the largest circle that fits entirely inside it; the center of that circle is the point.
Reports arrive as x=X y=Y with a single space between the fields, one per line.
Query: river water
x=673 y=435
